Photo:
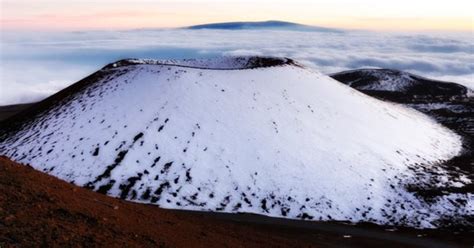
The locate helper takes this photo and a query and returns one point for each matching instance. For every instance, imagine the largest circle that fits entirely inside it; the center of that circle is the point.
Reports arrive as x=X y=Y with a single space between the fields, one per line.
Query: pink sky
x=454 y=15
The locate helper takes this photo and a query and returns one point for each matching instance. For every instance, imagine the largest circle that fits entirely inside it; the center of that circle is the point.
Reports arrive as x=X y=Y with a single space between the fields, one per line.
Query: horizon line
x=3 y=27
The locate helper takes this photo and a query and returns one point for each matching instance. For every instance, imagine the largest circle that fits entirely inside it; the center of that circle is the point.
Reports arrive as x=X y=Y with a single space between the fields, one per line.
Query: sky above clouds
x=46 y=45
x=35 y=65
x=454 y=15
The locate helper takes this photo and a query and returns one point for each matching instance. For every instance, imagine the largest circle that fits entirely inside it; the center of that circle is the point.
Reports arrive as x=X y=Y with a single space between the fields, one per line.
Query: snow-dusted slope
x=389 y=80
x=376 y=79
x=241 y=135
x=450 y=103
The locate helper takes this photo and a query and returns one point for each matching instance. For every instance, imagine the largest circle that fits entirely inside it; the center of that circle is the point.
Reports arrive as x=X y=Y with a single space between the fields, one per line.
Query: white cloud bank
x=37 y=65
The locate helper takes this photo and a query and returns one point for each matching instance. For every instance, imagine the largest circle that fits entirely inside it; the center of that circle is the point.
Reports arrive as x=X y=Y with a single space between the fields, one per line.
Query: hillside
x=38 y=209
x=448 y=103
x=10 y=110
x=250 y=134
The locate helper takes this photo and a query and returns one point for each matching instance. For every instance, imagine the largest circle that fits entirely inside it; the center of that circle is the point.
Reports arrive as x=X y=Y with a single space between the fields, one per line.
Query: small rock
x=10 y=217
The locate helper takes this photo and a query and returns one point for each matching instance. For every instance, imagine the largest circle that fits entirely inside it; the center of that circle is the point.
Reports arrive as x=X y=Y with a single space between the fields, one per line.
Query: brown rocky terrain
x=38 y=210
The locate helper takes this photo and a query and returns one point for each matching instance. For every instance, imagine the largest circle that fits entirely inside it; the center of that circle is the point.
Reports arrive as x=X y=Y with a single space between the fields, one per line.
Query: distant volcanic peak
x=222 y=63
x=272 y=24
x=382 y=73
x=247 y=25
x=397 y=81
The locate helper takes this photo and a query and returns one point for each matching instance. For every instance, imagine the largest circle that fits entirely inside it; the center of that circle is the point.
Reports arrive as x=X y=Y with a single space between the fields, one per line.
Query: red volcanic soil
x=38 y=210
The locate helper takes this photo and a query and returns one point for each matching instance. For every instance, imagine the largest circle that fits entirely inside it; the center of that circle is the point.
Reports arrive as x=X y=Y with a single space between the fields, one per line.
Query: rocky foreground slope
x=258 y=135
x=41 y=210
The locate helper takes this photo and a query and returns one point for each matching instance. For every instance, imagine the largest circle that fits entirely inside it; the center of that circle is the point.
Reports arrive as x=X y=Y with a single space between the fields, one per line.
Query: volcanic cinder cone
x=248 y=134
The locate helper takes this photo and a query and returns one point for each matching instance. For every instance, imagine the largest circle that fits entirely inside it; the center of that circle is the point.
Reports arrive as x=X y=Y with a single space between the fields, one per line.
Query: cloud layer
x=37 y=65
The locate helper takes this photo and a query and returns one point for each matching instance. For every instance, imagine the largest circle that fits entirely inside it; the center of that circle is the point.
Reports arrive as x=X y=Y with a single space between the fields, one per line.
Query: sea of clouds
x=35 y=65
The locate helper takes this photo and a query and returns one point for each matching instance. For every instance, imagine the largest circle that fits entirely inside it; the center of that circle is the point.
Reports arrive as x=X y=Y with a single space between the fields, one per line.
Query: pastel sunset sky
x=394 y=15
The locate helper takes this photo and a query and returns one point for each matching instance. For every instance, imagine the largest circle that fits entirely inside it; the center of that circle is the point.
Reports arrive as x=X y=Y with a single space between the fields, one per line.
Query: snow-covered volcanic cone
x=260 y=135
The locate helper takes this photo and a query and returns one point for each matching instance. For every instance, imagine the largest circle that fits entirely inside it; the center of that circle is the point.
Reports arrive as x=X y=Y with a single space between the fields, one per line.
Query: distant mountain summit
x=263 y=25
